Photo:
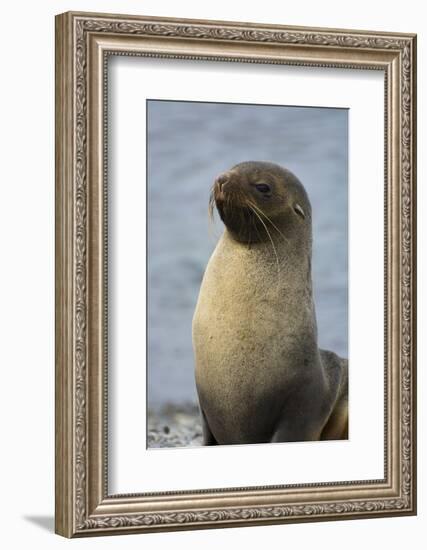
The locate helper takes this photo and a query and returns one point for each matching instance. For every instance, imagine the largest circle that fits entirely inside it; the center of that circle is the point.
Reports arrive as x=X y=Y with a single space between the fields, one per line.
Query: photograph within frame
x=188 y=144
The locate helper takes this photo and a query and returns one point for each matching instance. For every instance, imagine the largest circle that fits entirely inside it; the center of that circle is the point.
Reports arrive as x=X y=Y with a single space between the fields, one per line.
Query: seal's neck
x=278 y=246
x=282 y=263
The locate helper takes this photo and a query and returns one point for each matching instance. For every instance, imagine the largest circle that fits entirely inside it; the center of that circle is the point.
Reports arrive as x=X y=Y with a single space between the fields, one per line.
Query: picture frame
x=84 y=506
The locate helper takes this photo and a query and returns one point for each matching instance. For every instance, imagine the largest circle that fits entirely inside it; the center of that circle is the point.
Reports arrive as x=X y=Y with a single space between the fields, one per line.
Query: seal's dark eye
x=263 y=188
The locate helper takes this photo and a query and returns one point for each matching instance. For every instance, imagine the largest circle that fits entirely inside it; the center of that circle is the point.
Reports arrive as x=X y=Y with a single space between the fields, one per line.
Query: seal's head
x=256 y=197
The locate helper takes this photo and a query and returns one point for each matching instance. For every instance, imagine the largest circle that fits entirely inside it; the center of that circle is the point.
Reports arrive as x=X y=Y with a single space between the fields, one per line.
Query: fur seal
x=260 y=375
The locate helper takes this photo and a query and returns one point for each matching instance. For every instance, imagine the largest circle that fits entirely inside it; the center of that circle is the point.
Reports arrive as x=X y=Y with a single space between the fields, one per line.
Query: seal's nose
x=221 y=180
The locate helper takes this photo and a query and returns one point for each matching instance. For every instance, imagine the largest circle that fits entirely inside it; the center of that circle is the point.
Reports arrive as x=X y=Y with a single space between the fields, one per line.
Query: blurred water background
x=188 y=145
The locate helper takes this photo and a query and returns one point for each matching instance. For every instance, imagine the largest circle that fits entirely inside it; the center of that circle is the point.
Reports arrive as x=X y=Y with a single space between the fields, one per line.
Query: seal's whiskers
x=211 y=217
x=268 y=219
x=269 y=236
x=211 y=205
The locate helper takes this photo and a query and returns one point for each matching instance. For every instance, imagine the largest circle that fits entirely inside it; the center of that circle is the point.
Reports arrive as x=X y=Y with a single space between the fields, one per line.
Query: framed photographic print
x=235 y=274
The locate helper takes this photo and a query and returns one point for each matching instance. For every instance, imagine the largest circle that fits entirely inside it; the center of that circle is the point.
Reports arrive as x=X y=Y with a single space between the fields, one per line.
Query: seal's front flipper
x=336 y=370
x=208 y=437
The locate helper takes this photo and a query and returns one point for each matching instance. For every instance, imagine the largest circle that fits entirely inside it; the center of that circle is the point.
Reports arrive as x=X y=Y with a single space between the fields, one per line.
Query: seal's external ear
x=299 y=211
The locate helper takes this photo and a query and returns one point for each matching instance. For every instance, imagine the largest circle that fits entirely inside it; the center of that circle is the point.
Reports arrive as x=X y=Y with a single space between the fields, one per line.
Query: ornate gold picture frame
x=84 y=42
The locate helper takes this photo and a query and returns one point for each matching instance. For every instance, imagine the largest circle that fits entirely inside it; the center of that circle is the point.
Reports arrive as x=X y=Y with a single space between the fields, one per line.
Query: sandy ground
x=175 y=427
